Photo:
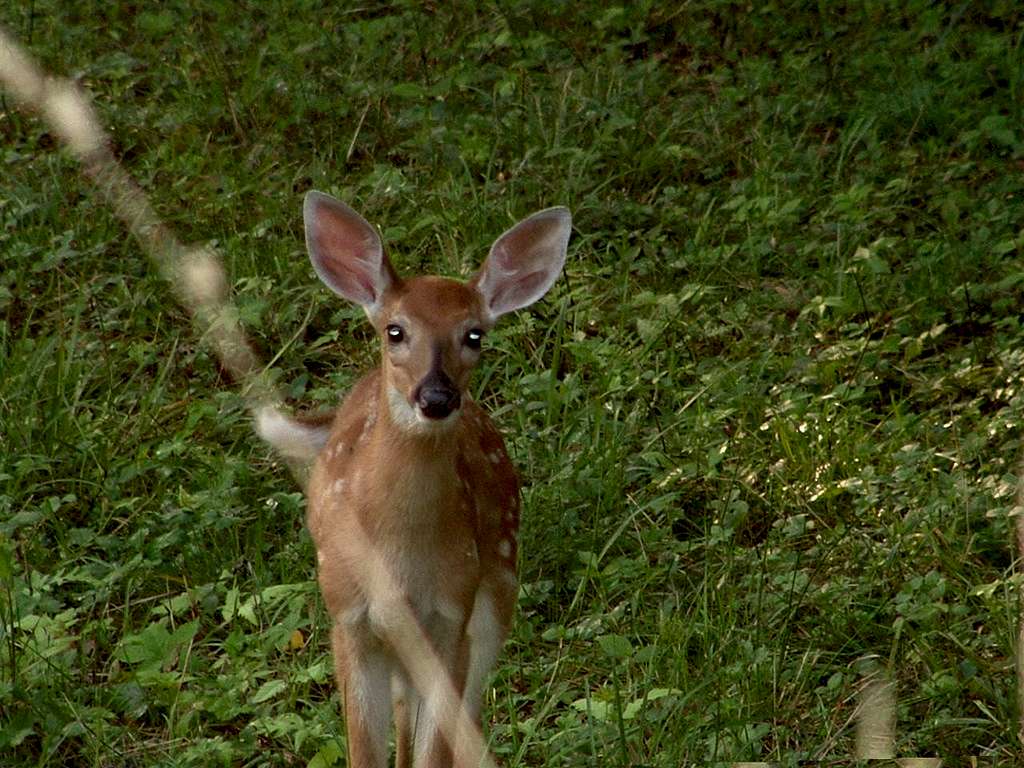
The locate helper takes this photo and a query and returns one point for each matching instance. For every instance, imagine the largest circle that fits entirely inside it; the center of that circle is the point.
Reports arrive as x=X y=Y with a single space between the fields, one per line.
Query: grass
x=768 y=423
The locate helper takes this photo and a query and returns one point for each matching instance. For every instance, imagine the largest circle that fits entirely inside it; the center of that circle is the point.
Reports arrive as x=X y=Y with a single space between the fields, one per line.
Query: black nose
x=437 y=396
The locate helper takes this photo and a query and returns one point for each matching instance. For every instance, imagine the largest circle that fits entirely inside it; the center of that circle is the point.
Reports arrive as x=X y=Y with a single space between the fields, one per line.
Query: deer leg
x=364 y=676
x=440 y=712
x=486 y=632
x=405 y=703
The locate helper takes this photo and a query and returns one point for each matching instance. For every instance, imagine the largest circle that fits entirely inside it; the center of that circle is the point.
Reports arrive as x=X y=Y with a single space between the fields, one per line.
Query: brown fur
x=413 y=502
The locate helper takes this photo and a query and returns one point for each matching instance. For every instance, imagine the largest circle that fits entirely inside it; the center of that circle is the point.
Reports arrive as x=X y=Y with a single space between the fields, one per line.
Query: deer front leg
x=405 y=704
x=441 y=715
x=363 y=670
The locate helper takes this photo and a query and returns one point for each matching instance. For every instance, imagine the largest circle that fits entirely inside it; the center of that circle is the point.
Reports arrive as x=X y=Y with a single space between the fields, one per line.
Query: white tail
x=413 y=503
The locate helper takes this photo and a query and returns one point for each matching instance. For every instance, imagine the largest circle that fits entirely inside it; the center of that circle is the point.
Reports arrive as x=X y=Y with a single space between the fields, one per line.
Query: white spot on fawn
x=505 y=548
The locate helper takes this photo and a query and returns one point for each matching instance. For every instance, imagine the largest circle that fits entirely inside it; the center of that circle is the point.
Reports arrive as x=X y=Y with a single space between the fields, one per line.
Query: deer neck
x=415 y=467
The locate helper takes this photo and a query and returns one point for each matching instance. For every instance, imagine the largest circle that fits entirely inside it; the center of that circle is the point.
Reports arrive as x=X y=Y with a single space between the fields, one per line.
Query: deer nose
x=437 y=396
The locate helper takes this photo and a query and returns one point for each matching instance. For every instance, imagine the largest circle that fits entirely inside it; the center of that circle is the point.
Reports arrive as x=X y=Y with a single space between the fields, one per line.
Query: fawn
x=413 y=504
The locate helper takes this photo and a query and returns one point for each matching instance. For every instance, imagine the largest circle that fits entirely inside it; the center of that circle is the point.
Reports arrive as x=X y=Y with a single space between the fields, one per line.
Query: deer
x=413 y=504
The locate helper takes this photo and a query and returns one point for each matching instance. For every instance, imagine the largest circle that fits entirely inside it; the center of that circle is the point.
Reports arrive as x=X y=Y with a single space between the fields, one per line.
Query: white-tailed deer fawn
x=413 y=504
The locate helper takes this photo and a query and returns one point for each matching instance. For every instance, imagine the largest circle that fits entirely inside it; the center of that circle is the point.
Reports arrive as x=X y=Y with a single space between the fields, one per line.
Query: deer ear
x=346 y=251
x=524 y=262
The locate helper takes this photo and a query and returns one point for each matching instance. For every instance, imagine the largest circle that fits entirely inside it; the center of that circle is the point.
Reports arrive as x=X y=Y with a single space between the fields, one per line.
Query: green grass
x=768 y=423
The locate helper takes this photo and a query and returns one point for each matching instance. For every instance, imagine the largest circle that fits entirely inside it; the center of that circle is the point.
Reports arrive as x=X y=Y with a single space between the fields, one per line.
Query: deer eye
x=396 y=334
x=473 y=338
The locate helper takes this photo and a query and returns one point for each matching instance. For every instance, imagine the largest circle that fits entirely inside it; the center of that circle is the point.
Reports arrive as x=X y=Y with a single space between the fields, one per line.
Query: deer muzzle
x=437 y=396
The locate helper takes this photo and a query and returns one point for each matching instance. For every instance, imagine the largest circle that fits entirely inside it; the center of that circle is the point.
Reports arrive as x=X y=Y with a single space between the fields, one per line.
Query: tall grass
x=768 y=423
